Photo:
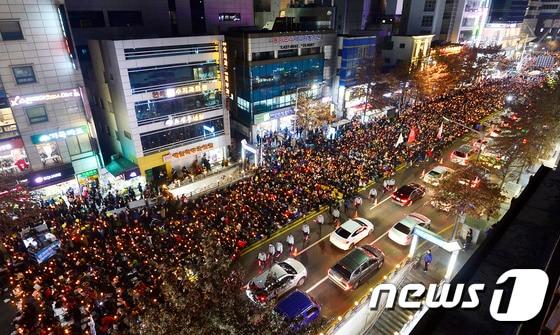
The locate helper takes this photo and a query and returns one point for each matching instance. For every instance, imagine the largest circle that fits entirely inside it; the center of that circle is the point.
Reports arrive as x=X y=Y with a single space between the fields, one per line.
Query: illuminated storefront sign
x=42 y=138
x=175 y=121
x=295 y=39
x=187 y=89
x=30 y=99
x=67 y=40
x=52 y=176
x=187 y=152
x=259 y=118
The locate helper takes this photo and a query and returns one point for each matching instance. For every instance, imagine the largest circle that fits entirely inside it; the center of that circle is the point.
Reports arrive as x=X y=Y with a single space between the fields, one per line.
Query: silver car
x=279 y=279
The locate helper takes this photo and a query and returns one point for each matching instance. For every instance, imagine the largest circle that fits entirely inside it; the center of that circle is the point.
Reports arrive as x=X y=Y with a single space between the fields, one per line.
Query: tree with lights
x=468 y=192
x=207 y=298
x=312 y=114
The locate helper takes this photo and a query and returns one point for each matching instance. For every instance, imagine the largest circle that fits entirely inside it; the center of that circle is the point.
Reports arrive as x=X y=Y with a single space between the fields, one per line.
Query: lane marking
x=317 y=284
x=379 y=203
x=312 y=245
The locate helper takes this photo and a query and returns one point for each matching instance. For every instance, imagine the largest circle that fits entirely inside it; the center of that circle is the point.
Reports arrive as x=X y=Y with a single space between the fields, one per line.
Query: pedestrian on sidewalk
x=346 y=205
x=305 y=230
x=427 y=259
x=271 y=253
x=290 y=241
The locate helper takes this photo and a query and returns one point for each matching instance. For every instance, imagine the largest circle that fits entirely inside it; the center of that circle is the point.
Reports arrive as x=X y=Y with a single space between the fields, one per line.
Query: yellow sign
x=187 y=152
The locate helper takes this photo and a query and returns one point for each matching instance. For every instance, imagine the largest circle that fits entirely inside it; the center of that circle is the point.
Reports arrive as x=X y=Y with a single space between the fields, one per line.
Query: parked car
x=401 y=232
x=462 y=154
x=354 y=268
x=299 y=309
x=437 y=174
x=279 y=279
x=350 y=233
x=407 y=194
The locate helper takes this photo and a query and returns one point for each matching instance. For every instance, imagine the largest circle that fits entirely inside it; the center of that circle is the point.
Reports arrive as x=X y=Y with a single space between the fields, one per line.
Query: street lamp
x=480 y=133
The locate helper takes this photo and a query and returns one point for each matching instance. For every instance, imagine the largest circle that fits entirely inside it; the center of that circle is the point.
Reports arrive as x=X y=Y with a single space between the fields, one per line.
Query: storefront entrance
x=157 y=174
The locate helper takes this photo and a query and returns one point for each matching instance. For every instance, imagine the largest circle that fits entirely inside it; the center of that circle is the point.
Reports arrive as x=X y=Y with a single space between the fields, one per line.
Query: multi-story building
x=455 y=21
x=407 y=50
x=543 y=18
x=47 y=134
x=162 y=102
x=353 y=52
x=268 y=69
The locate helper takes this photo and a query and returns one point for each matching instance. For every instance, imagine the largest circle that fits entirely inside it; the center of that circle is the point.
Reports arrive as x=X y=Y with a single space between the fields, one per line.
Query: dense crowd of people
x=108 y=266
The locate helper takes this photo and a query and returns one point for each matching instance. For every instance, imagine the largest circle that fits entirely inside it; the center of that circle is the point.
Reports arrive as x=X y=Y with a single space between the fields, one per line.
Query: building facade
x=543 y=18
x=353 y=51
x=161 y=102
x=48 y=137
x=268 y=69
x=407 y=50
x=455 y=21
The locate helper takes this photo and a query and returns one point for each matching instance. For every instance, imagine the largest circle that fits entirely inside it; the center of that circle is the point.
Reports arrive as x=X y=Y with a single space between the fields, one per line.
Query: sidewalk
x=219 y=179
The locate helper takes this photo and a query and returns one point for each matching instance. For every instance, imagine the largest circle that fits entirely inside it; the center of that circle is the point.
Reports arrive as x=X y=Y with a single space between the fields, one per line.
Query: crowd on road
x=107 y=267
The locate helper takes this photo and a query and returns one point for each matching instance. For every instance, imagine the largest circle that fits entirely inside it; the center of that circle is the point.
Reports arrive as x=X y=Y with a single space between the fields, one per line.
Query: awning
x=123 y=167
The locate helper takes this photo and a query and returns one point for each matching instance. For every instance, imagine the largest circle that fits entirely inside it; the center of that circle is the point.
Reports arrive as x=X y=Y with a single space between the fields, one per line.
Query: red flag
x=412 y=135
x=440 y=132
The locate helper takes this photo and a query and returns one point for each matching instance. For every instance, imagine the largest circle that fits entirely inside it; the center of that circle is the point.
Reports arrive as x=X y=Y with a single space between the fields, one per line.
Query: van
x=356 y=267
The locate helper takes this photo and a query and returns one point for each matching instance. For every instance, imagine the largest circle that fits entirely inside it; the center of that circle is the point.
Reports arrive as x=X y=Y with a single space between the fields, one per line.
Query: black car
x=356 y=267
x=407 y=194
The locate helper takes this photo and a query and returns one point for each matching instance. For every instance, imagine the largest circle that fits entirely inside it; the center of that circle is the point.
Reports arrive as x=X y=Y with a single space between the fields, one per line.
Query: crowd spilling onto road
x=107 y=267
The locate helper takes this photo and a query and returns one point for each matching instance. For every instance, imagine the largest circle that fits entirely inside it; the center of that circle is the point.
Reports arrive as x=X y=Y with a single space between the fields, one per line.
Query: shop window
x=49 y=153
x=36 y=114
x=125 y=18
x=78 y=144
x=287 y=53
x=8 y=126
x=13 y=159
x=10 y=30
x=24 y=74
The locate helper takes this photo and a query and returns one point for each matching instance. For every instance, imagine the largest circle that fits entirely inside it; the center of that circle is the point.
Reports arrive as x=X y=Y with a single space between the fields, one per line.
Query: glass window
x=171 y=74
x=429 y=5
x=125 y=18
x=78 y=144
x=287 y=53
x=146 y=110
x=86 y=19
x=49 y=153
x=13 y=159
x=24 y=74
x=427 y=21
x=160 y=140
x=36 y=114
x=10 y=30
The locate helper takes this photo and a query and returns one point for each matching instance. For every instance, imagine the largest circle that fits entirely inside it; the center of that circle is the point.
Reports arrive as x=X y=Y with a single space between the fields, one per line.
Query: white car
x=462 y=154
x=437 y=174
x=401 y=232
x=279 y=279
x=350 y=233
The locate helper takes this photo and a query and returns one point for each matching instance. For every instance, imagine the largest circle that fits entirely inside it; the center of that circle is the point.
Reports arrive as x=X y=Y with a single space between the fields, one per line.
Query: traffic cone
x=423 y=173
x=295 y=251
x=441 y=160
